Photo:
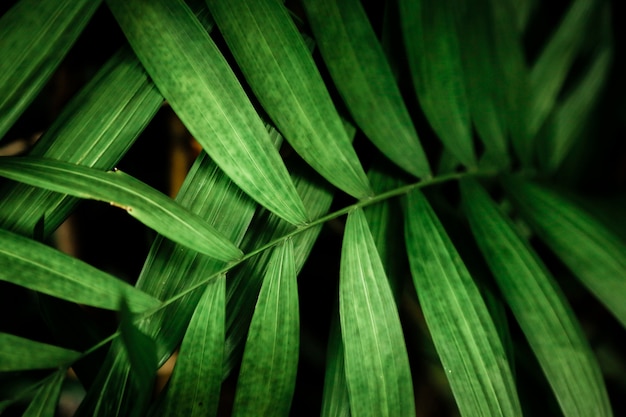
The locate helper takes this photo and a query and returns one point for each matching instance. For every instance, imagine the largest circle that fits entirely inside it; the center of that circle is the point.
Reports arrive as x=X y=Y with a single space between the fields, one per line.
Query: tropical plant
x=459 y=233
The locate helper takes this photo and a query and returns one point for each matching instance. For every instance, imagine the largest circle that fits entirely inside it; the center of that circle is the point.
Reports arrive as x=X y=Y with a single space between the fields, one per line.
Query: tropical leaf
x=194 y=387
x=463 y=332
x=36 y=35
x=593 y=253
x=540 y=308
x=279 y=68
x=365 y=81
x=270 y=360
x=141 y=201
x=38 y=267
x=204 y=92
x=47 y=398
x=335 y=399
x=108 y=115
x=434 y=56
x=372 y=336
x=18 y=354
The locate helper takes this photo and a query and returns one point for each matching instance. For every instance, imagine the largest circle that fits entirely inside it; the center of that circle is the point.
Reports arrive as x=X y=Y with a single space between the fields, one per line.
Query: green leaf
x=47 y=398
x=549 y=72
x=463 y=332
x=541 y=309
x=18 y=354
x=376 y=362
x=571 y=115
x=593 y=253
x=335 y=399
x=36 y=35
x=194 y=387
x=107 y=115
x=278 y=66
x=141 y=201
x=434 y=57
x=358 y=66
x=33 y=265
x=141 y=351
x=270 y=360
x=202 y=89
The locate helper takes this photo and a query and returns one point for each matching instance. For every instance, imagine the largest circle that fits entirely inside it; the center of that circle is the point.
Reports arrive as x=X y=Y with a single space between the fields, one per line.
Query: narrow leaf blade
x=200 y=86
x=146 y=204
x=41 y=268
x=357 y=63
x=268 y=370
x=593 y=253
x=371 y=331
x=541 y=309
x=463 y=332
x=46 y=400
x=19 y=354
x=36 y=35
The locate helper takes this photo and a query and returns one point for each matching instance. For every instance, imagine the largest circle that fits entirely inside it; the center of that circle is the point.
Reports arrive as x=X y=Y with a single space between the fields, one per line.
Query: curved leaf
x=18 y=354
x=107 y=115
x=270 y=360
x=36 y=266
x=357 y=63
x=376 y=362
x=282 y=74
x=141 y=201
x=541 y=309
x=202 y=89
x=463 y=332
x=194 y=387
x=36 y=35
x=595 y=256
x=434 y=57
x=47 y=398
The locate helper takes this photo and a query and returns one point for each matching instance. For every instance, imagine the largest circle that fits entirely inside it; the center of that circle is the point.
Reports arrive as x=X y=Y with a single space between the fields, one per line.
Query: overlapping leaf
x=146 y=204
x=335 y=399
x=270 y=360
x=36 y=35
x=18 y=354
x=540 y=308
x=462 y=330
x=202 y=89
x=45 y=402
x=372 y=335
x=593 y=253
x=282 y=74
x=434 y=56
x=107 y=115
x=36 y=266
x=365 y=81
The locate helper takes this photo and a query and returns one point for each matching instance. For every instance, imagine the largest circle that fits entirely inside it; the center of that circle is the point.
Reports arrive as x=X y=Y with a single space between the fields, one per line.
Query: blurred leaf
x=541 y=309
x=434 y=56
x=38 y=267
x=270 y=360
x=141 y=351
x=549 y=72
x=18 y=354
x=365 y=81
x=571 y=115
x=107 y=115
x=593 y=253
x=335 y=398
x=202 y=89
x=376 y=362
x=463 y=332
x=279 y=68
x=141 y=201
x=47 y=398
x=194 y=387
x=36 y=35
